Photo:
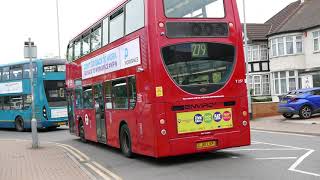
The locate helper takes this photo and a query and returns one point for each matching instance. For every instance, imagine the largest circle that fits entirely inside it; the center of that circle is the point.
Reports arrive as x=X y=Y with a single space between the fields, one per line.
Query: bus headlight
x=44 y=112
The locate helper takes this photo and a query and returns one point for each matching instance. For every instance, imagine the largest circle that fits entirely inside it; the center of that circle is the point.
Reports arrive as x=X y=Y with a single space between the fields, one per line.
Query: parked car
x=303 y=102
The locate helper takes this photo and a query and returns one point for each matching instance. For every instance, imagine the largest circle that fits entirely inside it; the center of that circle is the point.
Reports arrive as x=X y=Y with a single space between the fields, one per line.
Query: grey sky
x=21 y=19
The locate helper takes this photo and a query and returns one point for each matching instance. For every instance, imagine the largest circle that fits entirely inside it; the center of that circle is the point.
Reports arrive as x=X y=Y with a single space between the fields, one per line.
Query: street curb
x=289 y=132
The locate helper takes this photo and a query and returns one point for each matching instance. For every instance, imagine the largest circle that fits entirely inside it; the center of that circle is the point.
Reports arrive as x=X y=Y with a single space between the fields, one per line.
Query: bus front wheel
x=125 y=141
x=19 y=123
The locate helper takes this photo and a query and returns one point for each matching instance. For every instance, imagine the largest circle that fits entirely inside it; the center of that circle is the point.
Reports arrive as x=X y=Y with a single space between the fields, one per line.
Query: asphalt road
x=271 y=156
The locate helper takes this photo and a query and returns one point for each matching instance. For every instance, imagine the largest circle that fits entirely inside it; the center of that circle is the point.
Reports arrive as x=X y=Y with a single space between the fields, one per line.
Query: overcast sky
x=21 y=19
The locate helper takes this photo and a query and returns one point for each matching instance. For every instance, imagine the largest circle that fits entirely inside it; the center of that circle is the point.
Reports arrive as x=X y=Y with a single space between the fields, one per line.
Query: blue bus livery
x=49 y=90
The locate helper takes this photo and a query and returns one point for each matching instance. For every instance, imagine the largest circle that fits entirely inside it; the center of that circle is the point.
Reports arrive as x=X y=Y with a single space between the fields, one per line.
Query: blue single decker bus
x=49 y=94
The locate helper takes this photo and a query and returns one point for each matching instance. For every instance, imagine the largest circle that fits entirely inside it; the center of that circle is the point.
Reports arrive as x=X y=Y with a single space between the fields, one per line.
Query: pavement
x=50 y=161
x=295 y=125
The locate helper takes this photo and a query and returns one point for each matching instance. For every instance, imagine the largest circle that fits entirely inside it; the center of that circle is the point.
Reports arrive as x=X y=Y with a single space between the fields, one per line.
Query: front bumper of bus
x=190 y=145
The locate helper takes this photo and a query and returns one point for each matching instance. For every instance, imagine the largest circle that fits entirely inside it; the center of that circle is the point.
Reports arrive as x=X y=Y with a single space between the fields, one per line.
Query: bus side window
x=120 y=94
x=1 y=103
x=87 y=97
x=134 y=15
x=16 y=102
x=86 y=44
x=79 y=104
x=27 y=100
x=5 y=73
x=70 y=53
x=6 y=103
x=0 y=74
x=132 y=92
x=117 y=25
x=16 y=72
x=96 y=38
x=108 y=98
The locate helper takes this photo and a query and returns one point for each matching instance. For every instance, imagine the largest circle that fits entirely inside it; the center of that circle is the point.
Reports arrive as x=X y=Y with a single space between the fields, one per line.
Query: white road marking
x=107 y=171
x=276 y=158
x=273 y=149
x=75 y=150
x=292 y=134
x=81 y=159
x=98 y=171
x=293 y=167
x=299 y=161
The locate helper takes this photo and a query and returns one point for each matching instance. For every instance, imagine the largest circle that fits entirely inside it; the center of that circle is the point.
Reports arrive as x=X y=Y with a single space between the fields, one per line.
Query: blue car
x=303 y=102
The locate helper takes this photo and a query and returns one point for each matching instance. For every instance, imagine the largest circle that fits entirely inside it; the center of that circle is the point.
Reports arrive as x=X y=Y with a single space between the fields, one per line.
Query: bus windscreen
x=199 y=68
x=55 y=92
x=194 y=9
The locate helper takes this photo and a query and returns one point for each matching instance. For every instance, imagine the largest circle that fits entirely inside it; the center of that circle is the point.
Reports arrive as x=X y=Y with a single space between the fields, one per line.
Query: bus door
x=70 y=100
x=100 y=114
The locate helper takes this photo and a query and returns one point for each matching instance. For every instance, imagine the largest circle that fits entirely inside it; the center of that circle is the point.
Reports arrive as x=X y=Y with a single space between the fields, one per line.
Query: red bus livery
x=160 y=78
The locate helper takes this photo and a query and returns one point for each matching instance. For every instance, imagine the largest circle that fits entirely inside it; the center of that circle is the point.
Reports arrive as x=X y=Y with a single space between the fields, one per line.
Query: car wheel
x=305 y=112
x=287 y=115
x=125 y=141
x=19 y=123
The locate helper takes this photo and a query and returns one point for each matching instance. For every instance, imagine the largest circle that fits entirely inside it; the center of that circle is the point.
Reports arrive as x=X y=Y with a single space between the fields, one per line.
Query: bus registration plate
x=207 y=144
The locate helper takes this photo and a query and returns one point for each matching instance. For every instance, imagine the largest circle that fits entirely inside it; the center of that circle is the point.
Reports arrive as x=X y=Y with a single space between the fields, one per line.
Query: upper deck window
x=117 y=25
x=96 y=39
x=194 y=9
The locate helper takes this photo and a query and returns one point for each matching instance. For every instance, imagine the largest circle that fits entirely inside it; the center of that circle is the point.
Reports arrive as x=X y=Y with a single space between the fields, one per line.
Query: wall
x=312 y=58
x=264 y=109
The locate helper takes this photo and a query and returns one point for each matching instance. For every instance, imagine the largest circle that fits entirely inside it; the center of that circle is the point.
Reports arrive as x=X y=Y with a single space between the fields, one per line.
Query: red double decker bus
x=160 y=78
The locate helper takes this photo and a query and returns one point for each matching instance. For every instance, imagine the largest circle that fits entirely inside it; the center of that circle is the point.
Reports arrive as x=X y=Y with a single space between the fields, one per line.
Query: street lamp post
x=58 y=27
x=30 y=51
x=246 y=57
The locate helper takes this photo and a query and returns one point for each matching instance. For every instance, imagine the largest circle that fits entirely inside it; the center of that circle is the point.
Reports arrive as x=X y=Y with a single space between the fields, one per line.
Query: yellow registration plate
x=61 y=123
x=207 y=144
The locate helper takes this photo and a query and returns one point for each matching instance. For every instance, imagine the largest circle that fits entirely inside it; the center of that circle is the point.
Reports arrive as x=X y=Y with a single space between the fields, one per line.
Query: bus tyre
x=19 y=123
x=125 y=141
x=82 y=133
x=305 y=112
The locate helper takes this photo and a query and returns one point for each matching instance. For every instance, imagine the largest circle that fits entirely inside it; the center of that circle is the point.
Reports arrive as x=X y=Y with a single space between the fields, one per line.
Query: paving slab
x=50 y=162
x=294 y=125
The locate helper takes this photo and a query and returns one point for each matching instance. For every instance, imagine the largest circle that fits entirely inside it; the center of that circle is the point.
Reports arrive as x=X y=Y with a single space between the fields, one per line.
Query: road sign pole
x=35 y=141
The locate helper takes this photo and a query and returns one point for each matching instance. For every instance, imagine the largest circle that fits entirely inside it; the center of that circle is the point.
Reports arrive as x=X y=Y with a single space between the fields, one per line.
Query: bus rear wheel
x=19 y=124
x=125 y=141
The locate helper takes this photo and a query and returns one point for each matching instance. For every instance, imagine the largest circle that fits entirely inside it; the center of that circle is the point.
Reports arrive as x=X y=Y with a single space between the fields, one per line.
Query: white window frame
x=314 y=37
x=275 y=42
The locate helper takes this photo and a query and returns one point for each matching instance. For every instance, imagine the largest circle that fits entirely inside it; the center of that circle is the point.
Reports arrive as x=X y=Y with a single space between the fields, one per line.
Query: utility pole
x=246 y=57
x=30 y=51
x=58 y=26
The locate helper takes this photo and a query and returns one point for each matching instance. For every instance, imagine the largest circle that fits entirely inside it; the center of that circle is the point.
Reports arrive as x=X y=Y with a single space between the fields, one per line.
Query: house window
x=285 y=81
x=280 y=47
x=257 y=85
x=265 y=84
x=274 y=48
x=249 y=55
x=299 y=44
x=255 y=53
x=263 y=52
x=316 y=41
x=289 y=44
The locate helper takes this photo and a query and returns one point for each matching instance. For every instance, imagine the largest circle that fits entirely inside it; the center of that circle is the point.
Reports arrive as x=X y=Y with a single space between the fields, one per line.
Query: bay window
x=316 y=41
x=288 y=45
